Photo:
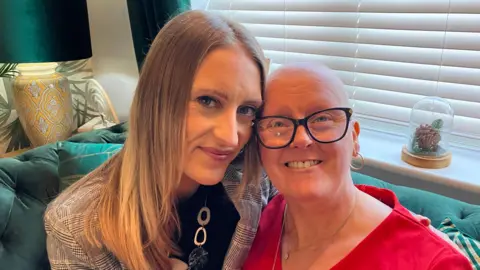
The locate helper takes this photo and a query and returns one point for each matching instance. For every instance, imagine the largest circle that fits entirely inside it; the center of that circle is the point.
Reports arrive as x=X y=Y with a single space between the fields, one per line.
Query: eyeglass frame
x=303 y=122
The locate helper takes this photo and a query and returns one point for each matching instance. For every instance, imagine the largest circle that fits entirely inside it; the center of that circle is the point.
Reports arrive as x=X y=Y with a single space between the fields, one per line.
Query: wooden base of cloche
x=426 y=161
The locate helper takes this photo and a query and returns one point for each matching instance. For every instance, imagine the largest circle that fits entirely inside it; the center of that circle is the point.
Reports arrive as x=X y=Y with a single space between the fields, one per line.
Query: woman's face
x=225 y=95
x=307 y=169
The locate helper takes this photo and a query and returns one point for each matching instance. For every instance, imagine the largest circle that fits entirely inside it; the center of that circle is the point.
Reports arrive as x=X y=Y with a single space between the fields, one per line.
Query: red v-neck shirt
x=400 y=242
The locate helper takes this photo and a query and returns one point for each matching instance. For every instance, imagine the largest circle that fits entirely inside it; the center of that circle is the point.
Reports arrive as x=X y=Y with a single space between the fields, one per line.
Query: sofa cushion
x=27 y=183
x=113 y=134
x=78 y=159
x=436 y=207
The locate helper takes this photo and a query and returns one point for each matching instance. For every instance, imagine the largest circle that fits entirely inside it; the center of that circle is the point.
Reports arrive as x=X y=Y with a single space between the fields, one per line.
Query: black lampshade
x=33 y=31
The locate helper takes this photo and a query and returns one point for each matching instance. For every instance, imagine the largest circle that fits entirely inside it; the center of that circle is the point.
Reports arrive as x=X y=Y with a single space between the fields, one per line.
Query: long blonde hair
x=135 y=217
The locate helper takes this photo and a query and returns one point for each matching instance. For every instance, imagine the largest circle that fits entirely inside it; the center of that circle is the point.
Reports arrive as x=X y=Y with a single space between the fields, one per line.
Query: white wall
x=114 y=63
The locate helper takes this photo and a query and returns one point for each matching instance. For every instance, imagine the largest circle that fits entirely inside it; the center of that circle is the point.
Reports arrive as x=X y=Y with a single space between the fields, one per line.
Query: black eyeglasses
x=326 y=126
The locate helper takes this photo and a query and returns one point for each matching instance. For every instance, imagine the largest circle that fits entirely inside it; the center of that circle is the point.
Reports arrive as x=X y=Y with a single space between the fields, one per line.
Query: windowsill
x=383 y=150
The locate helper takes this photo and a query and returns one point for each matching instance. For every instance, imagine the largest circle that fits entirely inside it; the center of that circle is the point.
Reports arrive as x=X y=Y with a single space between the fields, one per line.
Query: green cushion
x=27 y=183
x=114 y=134
x=435 y=207
x=469 y=246
x=78 y=159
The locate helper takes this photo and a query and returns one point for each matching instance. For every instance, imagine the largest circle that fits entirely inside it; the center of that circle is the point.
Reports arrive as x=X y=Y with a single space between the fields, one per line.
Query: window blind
x=389 y=53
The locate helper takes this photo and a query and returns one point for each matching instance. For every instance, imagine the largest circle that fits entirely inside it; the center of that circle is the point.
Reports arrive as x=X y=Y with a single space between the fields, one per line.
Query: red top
x=399 y=242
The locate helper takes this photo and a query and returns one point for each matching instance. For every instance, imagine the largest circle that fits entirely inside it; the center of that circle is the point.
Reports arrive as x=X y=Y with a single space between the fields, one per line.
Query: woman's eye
x=207 y=101
x=277 y=124
x=247 y=110
x=322 y=118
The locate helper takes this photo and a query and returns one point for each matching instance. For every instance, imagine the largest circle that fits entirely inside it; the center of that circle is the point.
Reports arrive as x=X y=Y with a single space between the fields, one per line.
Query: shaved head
x=307 y=75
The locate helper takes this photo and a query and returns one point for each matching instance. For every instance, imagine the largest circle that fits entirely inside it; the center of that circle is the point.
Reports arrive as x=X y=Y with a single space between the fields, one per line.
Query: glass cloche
x=431 y=122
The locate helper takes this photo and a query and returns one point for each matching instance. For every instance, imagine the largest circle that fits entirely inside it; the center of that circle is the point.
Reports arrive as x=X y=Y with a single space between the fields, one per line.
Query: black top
x=220 y=229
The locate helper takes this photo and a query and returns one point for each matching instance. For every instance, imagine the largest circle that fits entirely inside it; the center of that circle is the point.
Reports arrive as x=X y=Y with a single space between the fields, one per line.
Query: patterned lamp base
x=43 y=102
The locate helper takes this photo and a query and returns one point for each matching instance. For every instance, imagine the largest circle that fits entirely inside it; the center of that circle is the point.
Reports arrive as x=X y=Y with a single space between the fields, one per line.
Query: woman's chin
x=206 y=177
x=307 y=188
x=210 y=180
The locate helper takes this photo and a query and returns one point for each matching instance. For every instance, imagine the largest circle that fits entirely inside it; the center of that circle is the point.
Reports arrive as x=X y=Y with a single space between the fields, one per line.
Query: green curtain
x=147 y=17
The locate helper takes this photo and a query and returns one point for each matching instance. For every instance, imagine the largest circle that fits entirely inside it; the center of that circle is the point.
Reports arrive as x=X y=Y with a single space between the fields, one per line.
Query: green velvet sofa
x=30 y=181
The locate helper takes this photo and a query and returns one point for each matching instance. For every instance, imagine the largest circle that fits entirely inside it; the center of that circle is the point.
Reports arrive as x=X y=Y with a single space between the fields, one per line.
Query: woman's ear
x=356 y=144
x=356 y=128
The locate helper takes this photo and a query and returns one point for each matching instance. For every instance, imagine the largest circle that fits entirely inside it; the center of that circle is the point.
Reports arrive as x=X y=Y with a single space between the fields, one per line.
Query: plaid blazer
x=68 y=247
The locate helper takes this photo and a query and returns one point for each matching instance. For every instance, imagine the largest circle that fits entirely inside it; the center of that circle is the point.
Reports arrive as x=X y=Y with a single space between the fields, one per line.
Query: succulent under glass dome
x=431 y=122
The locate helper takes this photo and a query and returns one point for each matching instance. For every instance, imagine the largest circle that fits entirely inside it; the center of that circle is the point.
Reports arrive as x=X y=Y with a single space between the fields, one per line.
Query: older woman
x=322 y=220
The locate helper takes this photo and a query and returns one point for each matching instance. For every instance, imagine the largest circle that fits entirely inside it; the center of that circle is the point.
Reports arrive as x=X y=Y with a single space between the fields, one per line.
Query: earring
x=277 y=134
x=362 y=163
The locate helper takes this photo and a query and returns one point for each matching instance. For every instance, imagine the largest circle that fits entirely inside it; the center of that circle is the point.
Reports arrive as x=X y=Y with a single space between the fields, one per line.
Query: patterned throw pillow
x=469 y=246
x=78 y=159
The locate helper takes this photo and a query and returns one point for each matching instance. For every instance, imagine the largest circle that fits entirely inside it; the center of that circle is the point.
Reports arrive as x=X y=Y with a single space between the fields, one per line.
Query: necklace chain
x=288 y=252
x=280 y=237
x=198 y=257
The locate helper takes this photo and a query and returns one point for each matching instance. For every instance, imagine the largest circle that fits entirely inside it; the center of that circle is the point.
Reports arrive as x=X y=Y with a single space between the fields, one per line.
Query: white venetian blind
x=389 y=53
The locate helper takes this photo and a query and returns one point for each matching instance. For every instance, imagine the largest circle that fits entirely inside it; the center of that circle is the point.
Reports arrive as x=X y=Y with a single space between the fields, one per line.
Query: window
x=389 y=53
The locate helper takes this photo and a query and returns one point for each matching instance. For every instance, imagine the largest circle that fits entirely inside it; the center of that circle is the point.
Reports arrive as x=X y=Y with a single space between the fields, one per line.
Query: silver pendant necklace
x=198 y=258
x=279 y=243
x=286 y=255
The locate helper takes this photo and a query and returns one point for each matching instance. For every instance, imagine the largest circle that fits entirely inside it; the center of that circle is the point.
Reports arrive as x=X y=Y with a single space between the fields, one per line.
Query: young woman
x=161 y=202
x=322 y=220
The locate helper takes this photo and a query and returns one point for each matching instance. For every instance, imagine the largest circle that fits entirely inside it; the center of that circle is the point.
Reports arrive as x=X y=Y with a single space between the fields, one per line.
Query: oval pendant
x=195 y=239
x=200 y=218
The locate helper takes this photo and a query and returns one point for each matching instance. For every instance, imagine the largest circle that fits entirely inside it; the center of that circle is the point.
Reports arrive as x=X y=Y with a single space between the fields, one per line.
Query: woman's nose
x=301 y=138
x=226 y=130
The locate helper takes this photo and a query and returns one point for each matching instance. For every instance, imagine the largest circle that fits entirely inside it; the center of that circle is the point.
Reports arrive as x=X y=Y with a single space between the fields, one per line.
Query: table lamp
x=37 y=34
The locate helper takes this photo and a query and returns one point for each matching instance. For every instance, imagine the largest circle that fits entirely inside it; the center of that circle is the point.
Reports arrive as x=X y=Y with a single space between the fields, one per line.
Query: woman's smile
x=301 y=165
